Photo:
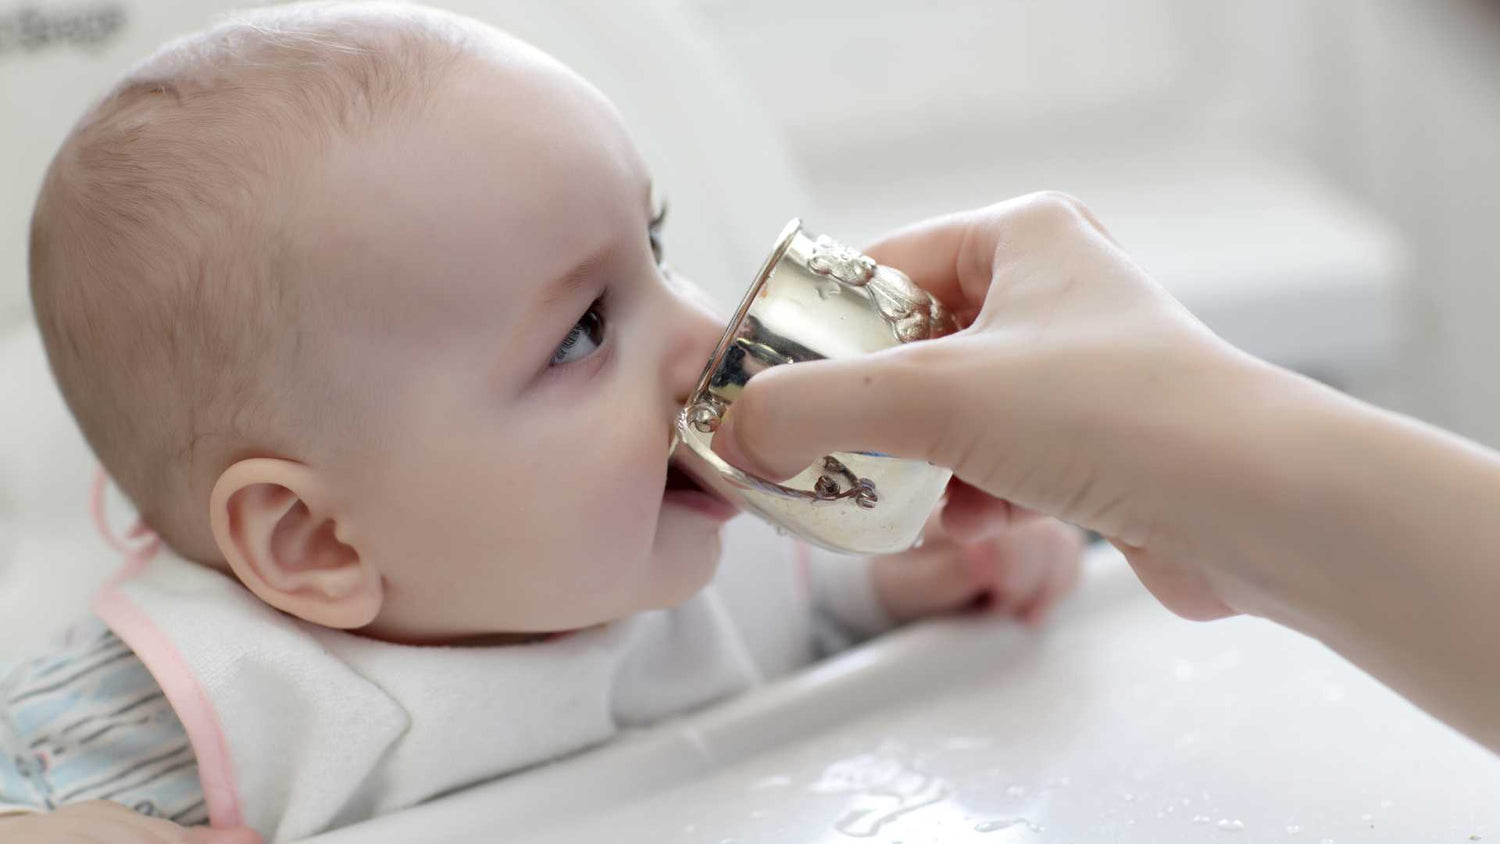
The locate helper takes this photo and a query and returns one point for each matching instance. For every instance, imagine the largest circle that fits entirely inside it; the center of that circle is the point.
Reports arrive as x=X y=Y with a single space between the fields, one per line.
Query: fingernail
x=727 y=445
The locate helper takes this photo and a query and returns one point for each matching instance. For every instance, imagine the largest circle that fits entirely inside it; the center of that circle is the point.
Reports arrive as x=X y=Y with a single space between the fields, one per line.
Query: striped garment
x=85 y=721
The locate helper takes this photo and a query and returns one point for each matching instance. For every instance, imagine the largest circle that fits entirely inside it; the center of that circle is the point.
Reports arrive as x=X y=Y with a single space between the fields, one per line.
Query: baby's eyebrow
x=565 y=287
x=552 y=295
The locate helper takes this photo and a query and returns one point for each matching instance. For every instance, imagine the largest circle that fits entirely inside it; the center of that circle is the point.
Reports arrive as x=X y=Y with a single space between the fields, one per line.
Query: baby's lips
x=705 y=475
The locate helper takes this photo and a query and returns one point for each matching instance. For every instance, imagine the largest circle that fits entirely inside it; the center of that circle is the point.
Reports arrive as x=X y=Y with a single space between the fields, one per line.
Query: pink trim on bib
x=215 y=773
x=156 y=652
x=136 y=556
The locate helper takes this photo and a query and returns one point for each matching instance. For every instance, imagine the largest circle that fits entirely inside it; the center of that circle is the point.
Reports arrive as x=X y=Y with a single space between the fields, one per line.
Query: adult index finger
x=890 y=402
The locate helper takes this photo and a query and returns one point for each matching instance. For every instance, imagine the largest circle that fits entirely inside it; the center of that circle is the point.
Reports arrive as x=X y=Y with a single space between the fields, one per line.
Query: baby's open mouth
x=678 y=479
x=683 y=487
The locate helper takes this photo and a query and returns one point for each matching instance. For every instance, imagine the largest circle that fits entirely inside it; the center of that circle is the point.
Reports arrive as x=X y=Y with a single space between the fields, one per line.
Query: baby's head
x=364 y=303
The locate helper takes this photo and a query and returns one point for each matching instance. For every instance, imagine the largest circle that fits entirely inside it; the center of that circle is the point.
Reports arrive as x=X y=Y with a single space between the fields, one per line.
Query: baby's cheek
x=632 y=476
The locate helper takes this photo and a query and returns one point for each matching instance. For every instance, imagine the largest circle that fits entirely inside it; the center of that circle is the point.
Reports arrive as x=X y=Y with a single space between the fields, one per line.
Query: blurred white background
x=1318 y=180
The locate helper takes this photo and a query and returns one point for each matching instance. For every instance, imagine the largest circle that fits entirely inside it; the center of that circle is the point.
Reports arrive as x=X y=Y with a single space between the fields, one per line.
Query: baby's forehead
x=512 y=175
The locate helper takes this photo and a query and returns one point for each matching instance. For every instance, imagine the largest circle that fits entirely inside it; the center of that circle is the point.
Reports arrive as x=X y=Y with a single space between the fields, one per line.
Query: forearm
x=1376 y=534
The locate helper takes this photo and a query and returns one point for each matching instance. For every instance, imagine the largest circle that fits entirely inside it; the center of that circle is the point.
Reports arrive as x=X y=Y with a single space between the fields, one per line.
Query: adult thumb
x=898 y=401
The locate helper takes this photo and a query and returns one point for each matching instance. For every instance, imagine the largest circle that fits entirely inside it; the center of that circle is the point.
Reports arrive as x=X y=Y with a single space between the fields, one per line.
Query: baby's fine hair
x=164 y=266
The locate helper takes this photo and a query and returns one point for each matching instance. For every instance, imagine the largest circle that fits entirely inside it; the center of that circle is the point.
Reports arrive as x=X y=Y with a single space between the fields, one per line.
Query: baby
x=364 y=308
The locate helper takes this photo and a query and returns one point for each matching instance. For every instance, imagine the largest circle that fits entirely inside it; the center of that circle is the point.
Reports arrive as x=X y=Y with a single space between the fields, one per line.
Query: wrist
x=1236 y=479
x=1318 y=511
x=1374 y=534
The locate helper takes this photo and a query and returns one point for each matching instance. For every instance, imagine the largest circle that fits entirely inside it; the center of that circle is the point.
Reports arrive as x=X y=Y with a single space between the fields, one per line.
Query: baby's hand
x=103 y=822
x=1022 y=571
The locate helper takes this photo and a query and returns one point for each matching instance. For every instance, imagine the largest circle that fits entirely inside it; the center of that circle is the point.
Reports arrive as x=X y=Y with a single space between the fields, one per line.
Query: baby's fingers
x=1029 y=566
x=1061 y=579
x=924 y=581
x=971 y=515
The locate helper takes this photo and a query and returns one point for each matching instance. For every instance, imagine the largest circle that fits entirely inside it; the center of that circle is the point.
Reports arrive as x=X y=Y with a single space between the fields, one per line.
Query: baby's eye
x=583 y=338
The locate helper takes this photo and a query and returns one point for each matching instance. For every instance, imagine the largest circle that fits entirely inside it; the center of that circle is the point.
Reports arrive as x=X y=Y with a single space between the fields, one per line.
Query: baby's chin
x=686 y=556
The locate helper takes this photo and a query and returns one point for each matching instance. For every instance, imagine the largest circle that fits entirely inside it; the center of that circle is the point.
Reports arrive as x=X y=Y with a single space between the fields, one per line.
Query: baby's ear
x=272 y=522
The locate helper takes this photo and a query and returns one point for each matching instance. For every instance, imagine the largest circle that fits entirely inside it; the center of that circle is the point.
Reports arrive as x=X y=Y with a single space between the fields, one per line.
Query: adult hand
x=1060 y=396
x=1081 y=389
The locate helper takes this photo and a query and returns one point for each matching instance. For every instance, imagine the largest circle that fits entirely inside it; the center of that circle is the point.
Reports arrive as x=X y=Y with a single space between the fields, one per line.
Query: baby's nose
x=695 y=330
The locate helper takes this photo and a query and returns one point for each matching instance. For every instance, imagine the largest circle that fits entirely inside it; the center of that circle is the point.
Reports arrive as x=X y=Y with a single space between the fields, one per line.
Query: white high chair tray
x=1116 y=722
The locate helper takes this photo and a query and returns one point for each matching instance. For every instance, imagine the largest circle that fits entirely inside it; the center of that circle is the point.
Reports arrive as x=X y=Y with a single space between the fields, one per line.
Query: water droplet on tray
x=1006 y=823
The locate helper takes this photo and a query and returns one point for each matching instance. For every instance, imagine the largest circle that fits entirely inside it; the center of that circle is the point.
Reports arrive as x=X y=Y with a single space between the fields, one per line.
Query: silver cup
x=816 y=299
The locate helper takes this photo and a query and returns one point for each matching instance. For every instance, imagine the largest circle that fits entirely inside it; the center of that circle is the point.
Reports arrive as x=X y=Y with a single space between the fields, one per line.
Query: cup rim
x=784 y=241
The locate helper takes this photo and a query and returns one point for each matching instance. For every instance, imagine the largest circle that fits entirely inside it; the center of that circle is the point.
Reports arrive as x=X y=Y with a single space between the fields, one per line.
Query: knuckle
x=1025 y=221
x=921 y=382
x=1056 y=209
x=976 y=250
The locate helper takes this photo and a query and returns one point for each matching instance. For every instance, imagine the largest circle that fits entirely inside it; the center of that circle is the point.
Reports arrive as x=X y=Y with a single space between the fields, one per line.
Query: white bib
x=298 y=728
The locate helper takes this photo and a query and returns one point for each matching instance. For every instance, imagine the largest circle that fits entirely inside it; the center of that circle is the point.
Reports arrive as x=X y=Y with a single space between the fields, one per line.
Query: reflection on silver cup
x=816 y=299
